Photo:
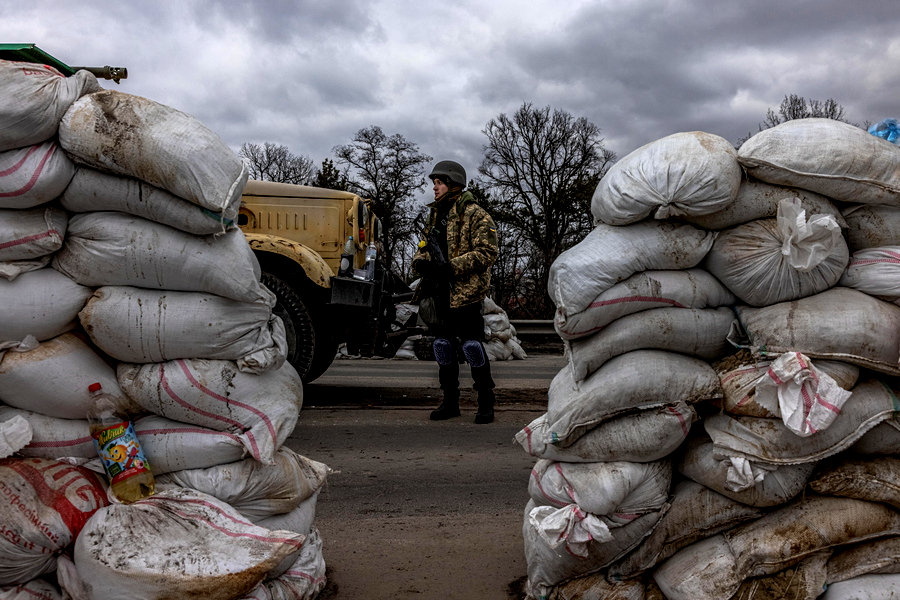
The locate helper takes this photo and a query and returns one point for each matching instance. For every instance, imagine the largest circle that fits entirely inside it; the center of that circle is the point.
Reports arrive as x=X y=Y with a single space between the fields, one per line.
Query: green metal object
x=31 y=53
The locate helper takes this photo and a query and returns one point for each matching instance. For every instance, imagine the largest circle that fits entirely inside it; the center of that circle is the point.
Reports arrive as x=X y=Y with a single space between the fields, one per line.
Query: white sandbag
x=53 y=378
x=303 y=580
x=638 y=380
x=596 y=586
x=516 y=350
x=33 y=175
x=608 y=255
x=872 y=226
x=691 y=288
x=34 y=99
x=489 y=307
x=52 y=437
x=681 y=174
x=30 y=233
x=36 y=589
x=496 y=322
x=804 y=580
x=255 y=490
x=875 y=271
x=715 y=567
x=695 y=513
x=776 y=486
x=178 y=544
x=619 y=492
x=700 y=332
x=881 y=440
x=741 y=372
x=149 y=326
x=43 y=303
x=15 y=433
x=835 y=159
x=775 y=260
x=94 y=191
x=261 y=410
x=132 y=136
x=767 y=442
x=759 y=200
x=839 y=324
x=497 y=350
x=45 y=506
x=300 y=519
x=110 y=248
x=645 y=436
x=874 y=556
x=872 y=479
x=864 y=587
x=549 y=566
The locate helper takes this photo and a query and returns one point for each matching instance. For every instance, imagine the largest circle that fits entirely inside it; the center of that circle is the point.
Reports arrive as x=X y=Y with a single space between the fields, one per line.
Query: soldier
x=454 y=260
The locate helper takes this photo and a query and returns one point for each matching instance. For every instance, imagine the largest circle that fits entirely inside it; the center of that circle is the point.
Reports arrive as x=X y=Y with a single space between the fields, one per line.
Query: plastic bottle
x=120 y=451
x=371 y=257
x=346 y=268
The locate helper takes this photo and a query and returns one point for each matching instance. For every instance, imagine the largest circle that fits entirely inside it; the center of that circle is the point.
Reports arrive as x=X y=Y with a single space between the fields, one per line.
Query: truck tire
x=311 y=348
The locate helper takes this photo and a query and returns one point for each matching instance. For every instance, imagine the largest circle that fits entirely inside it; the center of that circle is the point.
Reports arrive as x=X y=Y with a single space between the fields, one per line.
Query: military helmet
x=449 y=170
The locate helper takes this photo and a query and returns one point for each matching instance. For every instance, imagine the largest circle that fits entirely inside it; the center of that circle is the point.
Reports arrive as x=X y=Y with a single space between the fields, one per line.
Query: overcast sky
x=310 y=73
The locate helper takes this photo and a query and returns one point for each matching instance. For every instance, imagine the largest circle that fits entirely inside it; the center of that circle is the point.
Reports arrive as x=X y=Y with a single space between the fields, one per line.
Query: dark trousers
x=462 y=325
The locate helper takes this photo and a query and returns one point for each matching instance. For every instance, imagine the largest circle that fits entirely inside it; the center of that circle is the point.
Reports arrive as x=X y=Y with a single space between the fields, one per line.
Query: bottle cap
x=94 y=387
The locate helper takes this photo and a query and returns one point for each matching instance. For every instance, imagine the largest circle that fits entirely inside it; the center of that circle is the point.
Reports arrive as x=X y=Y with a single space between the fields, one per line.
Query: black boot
x=448 y=409
x=485 y=412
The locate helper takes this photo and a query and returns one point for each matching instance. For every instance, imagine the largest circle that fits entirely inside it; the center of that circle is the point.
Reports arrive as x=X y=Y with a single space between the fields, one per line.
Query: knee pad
x=474 y=353
x=443 y=351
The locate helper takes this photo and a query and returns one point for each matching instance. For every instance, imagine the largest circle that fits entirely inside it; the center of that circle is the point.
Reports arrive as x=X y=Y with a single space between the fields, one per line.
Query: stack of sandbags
x=500 y=341
x=792 y=388
x=150 y=291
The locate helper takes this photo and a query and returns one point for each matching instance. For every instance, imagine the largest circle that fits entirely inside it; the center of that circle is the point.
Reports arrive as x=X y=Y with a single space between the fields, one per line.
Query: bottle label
x=120 y=451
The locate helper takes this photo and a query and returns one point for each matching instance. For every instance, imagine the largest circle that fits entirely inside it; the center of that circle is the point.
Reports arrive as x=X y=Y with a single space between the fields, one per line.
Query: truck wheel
x=311 y=348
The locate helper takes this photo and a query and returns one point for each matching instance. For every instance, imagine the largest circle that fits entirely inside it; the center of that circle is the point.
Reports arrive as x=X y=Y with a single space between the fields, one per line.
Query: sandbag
x=839 y=324
x=132 y=136
x=683 y=173
x=52 y=437
x=639 y=380
x=149 y=326
x=34 y=175
x=45 y=505
x=596 y=586
x=700 y=332
x=691 y=288
x=617 y=491
x=759 y=200
x=881 y=440
x=299 y=520
x=30 y=233
x=303 y=580
x=261 y=410
x=53 y=378
x=767 y=442
x=548 y=566
x=94 y=191
x=776 y=486
x=178 y=543
x=36 y=589
x=608 y=255
x=695 y=513
x=645 y=436
x=34 y=99
x=835 y=159
x=864 y=587
x=874 y=556
x=875 y=271
x=714 y=568
x=802 y=581
x=255 y=490
x=872 y=226
x=115 y=249
x=768 y=261
x=741 y=372
x=42 y=303
x=873 y=479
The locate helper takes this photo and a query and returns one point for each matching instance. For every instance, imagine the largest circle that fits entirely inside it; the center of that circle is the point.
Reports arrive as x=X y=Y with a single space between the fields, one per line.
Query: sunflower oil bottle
x=120 y=451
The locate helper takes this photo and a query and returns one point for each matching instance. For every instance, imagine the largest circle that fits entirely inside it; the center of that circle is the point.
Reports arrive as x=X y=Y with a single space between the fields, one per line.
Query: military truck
x=298 y=234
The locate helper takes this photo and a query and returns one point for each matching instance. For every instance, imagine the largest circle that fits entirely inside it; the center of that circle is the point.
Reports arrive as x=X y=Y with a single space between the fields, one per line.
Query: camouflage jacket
x=471 y=249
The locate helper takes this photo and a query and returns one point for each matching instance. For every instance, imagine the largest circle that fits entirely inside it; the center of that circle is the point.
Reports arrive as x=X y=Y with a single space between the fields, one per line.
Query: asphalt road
x=415 y=508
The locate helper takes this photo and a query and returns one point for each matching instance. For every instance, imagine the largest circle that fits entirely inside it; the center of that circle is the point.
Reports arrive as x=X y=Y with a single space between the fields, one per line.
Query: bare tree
x=274 y=162
x=388 y=170
x=798 y=107
x=540 y=169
